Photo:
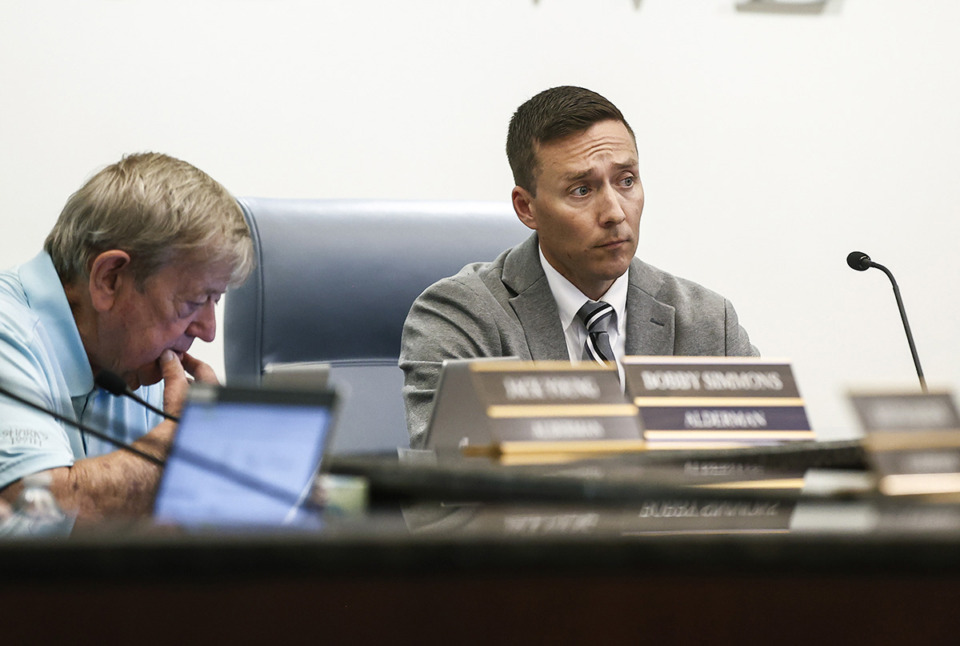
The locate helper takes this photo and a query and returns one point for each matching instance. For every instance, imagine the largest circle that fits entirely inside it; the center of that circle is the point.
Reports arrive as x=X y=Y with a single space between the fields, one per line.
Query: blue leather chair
x=334 y=282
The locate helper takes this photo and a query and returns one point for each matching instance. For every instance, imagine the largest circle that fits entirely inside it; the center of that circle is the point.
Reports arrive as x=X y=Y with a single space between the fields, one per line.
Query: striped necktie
x=594 y=316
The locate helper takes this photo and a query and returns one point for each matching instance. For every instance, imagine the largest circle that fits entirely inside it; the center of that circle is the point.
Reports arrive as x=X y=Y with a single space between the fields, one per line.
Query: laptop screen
x=245 y=457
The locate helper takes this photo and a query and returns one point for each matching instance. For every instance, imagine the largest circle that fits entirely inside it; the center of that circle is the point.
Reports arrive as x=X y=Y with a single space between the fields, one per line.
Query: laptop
x=245 y=457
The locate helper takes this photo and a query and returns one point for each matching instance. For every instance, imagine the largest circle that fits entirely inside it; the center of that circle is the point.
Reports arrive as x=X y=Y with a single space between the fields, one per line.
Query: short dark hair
x=553 y=114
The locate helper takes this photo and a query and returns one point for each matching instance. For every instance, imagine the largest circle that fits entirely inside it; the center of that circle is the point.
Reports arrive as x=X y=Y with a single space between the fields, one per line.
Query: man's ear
x=108 y=272
x=523 y=206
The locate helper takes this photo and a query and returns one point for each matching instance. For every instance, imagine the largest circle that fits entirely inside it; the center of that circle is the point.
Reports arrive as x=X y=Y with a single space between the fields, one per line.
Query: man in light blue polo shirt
x=129 y=277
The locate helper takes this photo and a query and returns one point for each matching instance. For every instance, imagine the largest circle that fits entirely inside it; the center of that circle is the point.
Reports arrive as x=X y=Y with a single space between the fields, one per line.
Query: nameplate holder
x=912 y=441
x=548 y=402
x=716 y=402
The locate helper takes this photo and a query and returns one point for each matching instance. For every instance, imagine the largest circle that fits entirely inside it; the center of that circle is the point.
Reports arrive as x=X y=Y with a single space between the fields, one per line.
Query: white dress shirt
x=569 y=301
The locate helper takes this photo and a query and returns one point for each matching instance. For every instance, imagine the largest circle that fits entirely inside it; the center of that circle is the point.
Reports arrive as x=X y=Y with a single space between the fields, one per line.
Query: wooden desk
x=374 y=582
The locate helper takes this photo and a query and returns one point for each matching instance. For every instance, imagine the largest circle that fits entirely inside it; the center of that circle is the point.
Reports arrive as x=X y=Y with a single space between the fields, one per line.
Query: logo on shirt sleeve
x=22 y=437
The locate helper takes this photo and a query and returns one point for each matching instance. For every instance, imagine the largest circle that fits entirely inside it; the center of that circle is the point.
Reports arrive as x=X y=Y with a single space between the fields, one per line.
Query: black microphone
x=115 y=385
x=861 y=262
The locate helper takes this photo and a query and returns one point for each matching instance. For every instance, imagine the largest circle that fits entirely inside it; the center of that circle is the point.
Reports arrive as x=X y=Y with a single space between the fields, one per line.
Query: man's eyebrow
x=201 y=294
x=574 y=176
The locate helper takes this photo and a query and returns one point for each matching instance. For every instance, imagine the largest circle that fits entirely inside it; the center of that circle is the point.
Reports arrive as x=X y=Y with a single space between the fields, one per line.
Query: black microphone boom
x=115 y=385
x=83 y=427
x=861 y=262
x=197 y=460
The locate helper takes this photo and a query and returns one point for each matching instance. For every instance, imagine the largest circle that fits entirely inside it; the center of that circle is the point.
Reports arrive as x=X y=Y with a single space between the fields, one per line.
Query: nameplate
x=716 y=401
x=912 y=441
x=554 y=401
x=906 y=411
x=709 y=516
x=656 y=516
x=921 y=520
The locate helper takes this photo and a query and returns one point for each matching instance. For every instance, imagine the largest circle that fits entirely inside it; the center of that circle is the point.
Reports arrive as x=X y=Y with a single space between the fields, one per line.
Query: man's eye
x=581 y=191
x=629 y=181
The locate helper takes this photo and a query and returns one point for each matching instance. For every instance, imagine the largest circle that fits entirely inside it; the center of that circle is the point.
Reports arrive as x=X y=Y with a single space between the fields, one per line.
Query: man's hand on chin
x=178 y=373
x=199 y=370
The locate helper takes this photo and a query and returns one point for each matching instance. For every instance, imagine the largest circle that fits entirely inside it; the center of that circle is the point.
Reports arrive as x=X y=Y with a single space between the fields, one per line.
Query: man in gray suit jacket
x=575 y=164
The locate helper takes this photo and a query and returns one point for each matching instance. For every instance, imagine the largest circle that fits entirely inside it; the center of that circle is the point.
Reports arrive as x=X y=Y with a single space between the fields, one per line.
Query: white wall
x=770 y=145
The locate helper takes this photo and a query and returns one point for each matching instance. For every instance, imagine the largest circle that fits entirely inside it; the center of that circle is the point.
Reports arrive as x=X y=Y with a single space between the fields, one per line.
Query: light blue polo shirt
x=42 y=359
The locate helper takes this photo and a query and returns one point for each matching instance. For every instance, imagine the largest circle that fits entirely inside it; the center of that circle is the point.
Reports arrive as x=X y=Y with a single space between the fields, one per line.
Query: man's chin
x=613 y=270
x=145 y=376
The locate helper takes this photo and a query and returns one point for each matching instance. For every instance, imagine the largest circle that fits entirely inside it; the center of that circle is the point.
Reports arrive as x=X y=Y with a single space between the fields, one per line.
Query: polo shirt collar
x=46 y=297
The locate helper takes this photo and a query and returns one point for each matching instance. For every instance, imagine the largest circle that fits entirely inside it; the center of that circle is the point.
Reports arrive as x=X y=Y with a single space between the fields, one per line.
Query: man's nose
x=611 y=209
x=204 y=326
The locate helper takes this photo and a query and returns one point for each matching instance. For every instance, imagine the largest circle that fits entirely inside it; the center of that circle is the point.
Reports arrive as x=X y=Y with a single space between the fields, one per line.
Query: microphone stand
x=906 y=325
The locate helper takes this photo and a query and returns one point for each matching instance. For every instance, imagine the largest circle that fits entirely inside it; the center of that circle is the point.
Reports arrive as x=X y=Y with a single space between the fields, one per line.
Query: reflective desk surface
x=581 y=560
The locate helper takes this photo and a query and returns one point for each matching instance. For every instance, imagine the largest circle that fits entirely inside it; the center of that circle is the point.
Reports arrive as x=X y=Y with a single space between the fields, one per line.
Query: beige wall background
x=770 y=145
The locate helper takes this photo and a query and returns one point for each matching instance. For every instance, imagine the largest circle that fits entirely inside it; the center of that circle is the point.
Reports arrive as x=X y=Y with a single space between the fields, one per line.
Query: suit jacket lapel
x=650 y=323
x=534 y=304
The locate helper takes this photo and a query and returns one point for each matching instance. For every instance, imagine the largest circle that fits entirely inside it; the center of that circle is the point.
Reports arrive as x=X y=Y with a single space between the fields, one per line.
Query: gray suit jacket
x=505 y=308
